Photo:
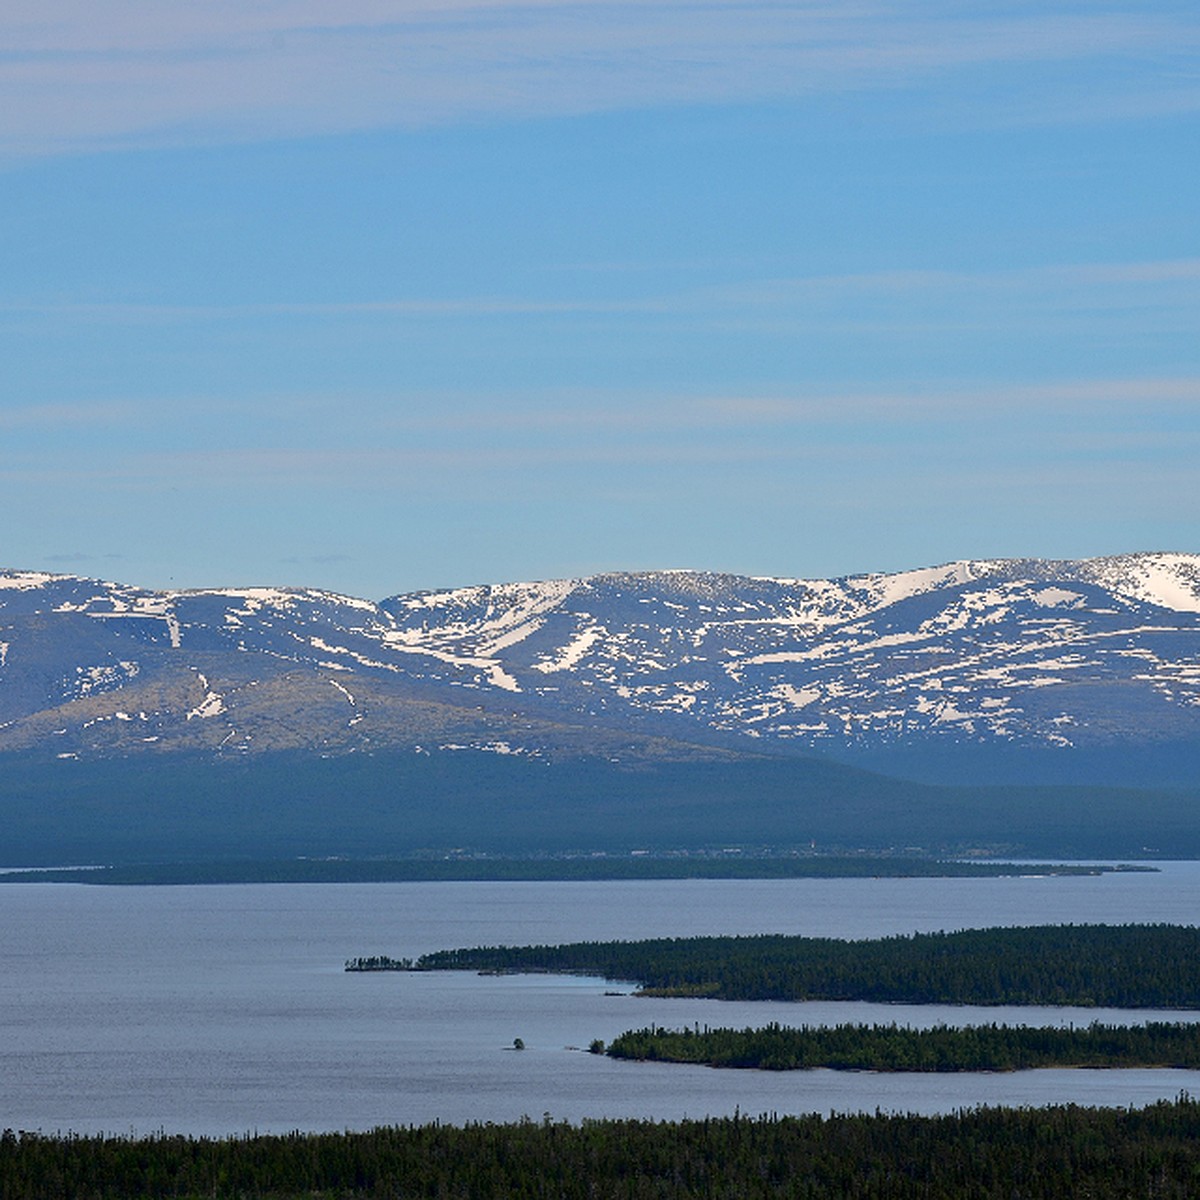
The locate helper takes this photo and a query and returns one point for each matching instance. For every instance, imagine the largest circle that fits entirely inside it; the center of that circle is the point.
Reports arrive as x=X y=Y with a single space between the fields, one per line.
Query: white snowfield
x=1034 y=650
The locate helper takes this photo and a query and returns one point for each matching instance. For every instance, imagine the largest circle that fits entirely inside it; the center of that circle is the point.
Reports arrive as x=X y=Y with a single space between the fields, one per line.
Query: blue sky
x=382 y=296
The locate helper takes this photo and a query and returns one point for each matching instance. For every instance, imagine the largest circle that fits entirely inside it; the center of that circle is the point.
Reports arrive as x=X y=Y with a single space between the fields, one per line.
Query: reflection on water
x=225 y=1009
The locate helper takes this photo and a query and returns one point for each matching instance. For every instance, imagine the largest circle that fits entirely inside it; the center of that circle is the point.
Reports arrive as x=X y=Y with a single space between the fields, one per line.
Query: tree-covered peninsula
x=851 y=1047
x=1118 y=966
x=679 y=864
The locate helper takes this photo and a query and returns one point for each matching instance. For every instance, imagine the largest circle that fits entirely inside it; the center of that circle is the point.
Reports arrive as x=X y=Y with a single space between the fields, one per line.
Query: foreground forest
x=1118 y=966
x=983 y=1154
x=896 y=1048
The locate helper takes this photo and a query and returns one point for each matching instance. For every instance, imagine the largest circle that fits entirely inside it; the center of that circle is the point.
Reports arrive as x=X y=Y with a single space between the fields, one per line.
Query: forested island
x=598 y=867
x=1117 y=966
x=851 y=1047
x=984 y=1154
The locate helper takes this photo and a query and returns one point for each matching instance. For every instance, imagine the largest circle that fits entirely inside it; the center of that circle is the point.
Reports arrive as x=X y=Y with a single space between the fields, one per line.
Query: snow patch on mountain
x=796 y=697
x=1167 y=580
x=1054 y=597
x=103 y=678
x=889 y=589
x=504 y=748
x=357 y=715
x=24 y=581
x=213 y=704
x=572 y=654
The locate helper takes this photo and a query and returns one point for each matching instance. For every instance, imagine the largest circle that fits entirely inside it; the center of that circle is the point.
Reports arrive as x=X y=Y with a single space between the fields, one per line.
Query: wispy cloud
x=152 y=73
x=441 y=441
x=594 y=414
x=1050 y=283
x=942 y=402
x=81 y=556
x=332 y=558
x=64 y=416
x=1043 y=297
x=449 y=309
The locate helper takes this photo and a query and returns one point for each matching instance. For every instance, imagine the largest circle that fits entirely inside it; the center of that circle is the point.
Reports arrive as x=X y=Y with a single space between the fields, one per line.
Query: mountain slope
x=1017 y=652
x=669 y=709
x=1024 y=669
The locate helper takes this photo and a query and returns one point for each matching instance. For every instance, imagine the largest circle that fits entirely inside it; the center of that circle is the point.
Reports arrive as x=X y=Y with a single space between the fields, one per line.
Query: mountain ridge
x=1005 y=705
x=970 y=657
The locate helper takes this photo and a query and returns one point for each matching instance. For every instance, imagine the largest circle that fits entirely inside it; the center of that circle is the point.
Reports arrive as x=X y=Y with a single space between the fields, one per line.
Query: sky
x=383 y=295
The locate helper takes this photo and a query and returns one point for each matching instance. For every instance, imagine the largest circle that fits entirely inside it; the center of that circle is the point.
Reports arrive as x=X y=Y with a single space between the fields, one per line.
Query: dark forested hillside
x=283 y=805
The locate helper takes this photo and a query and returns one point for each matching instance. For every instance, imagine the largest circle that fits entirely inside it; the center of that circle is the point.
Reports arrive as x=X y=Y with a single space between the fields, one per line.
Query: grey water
x=225 y=1010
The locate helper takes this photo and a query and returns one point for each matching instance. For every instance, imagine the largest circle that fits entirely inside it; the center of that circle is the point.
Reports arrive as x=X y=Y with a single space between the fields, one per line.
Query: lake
x=219 y=1010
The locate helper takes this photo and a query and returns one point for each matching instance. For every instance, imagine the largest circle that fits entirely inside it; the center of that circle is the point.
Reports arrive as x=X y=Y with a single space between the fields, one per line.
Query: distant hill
x=685 y=705
x=290 y=804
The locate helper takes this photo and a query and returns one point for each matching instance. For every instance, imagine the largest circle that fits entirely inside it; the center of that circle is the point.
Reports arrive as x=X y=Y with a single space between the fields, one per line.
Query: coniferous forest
x=897 y=1048
x=982 y=1154
x=1119 y=966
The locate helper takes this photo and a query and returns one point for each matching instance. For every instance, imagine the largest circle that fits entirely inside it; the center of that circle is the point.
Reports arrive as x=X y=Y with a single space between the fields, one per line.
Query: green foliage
x=896 y=1048
x=983 y=1154
x=1119 y=966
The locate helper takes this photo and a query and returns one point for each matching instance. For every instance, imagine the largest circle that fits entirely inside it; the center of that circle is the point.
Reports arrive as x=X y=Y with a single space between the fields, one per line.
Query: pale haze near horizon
x=379 y=297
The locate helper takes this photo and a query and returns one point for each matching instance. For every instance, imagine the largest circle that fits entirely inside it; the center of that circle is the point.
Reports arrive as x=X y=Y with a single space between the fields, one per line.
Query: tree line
x=983 y=1154
x=1119 y=966
x=851 y=1047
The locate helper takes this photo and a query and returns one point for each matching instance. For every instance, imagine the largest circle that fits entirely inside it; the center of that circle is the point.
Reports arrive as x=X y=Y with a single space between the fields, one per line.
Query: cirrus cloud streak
x=147 y=73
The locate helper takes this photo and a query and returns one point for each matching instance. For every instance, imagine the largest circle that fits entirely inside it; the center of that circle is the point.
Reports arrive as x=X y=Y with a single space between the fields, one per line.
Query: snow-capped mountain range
x=1020 y=653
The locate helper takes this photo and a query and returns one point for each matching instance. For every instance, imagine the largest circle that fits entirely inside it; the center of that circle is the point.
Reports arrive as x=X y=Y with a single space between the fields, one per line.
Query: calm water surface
x=214 y=1010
